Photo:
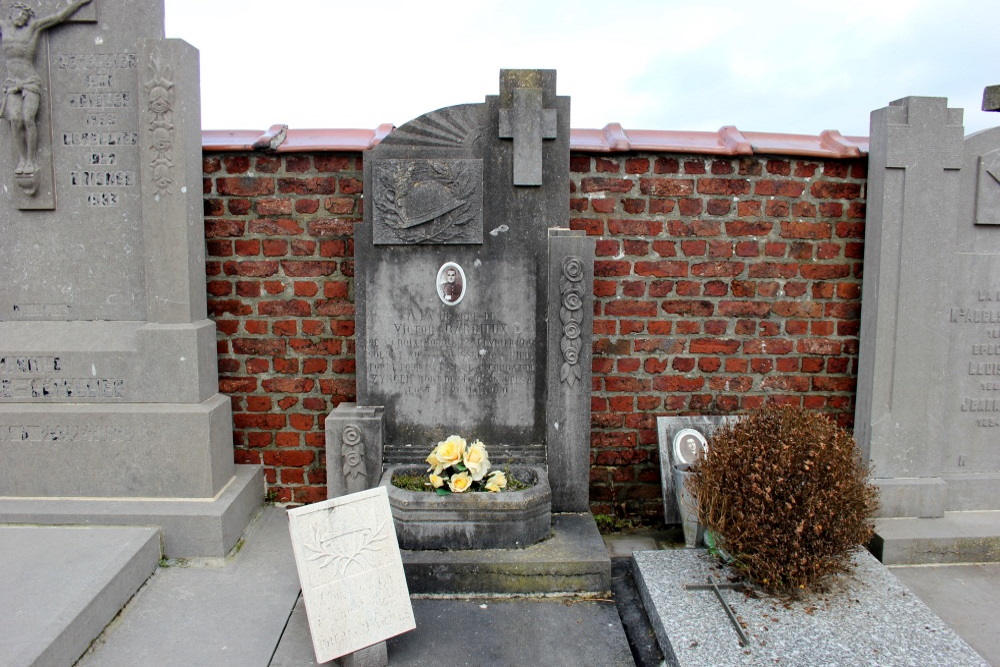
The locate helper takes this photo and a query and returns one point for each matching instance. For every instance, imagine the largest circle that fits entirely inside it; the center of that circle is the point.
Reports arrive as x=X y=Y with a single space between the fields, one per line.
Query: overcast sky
x=762 y=65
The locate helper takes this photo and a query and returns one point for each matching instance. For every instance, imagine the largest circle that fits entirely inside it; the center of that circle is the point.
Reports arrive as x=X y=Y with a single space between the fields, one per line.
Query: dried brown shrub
x=786 y=496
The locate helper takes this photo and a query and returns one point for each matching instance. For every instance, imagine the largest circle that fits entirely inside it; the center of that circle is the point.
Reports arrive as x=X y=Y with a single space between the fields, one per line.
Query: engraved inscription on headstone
x=978 y=402
x=428 y=201
x=351 y=572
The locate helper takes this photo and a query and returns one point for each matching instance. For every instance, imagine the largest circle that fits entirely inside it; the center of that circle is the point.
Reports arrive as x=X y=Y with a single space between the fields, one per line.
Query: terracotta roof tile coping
x=612 y=138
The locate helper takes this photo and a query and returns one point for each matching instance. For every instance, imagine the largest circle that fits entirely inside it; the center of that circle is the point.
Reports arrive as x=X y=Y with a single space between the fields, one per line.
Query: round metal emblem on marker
x=688 y=443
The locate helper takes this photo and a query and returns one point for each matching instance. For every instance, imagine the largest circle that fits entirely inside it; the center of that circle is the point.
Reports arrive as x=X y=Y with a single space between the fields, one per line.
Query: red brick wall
x=279 y=232
x=720 y=283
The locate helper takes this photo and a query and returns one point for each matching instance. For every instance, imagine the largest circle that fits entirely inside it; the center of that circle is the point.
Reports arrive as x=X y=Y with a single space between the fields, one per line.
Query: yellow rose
x=476 y=460
x=436 y=481
x=460 y=482
x=448 y=452
x=497 y=481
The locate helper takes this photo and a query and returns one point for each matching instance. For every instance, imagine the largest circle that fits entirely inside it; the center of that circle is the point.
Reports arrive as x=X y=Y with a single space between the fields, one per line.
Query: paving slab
x=490 y=631
x=211 y=612
x=61 y=585
x=964 y=596
x=867 y=617
x=957 y=537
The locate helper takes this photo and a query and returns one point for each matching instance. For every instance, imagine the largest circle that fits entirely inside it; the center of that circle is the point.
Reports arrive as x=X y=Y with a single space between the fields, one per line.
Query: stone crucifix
x=20 y=32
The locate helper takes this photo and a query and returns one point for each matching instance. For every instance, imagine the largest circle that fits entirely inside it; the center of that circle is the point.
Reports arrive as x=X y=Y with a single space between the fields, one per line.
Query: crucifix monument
x=109 y=403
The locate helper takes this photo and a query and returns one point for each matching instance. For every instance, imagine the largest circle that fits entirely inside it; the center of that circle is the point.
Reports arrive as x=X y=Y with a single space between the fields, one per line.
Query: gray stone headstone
x=108 y=379
x=351 y=573
x=928 y=406
x=459 y=324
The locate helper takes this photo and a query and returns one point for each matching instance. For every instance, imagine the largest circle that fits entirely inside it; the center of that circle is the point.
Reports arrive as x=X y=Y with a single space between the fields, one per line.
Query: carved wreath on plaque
x=571 y=316
x=347 y=543
x=428 y=201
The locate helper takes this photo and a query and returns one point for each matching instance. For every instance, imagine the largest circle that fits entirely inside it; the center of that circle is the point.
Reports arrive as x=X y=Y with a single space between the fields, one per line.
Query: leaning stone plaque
x=109 y=401
x=351 y=573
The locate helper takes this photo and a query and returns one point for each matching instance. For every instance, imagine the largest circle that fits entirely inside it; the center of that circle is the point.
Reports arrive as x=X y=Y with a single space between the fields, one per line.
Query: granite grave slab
x=866 y=617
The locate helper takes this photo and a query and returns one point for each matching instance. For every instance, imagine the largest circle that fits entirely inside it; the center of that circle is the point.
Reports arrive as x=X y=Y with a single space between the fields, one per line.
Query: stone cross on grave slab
x=527 y=116
x=717 y=588
x=27 y=94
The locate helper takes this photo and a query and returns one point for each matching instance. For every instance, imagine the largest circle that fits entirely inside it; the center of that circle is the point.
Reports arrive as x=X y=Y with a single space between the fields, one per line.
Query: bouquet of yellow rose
x=456 y=467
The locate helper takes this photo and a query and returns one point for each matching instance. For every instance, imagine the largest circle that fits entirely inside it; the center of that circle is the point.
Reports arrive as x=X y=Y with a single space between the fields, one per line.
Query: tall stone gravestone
x=928 y=406
x=474 y=299
x=109 y=403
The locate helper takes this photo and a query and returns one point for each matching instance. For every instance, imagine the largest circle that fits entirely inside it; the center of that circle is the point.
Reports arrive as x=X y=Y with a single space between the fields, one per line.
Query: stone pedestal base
x=207 y=527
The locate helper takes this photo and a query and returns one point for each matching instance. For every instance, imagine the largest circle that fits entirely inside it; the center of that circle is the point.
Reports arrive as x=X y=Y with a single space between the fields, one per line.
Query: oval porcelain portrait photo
x=450 y=283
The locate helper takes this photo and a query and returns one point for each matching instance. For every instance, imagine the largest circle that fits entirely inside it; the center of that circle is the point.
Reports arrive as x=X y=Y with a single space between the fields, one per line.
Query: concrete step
x=216 y=612
x=574 y=560
x=957 y=537
x=61 y=586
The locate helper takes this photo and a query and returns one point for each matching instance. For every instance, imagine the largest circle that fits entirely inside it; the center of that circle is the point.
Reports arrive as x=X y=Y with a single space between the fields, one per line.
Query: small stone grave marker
x=351 y=573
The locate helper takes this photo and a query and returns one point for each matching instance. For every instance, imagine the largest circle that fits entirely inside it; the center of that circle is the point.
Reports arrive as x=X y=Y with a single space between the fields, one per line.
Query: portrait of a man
x=451 y=283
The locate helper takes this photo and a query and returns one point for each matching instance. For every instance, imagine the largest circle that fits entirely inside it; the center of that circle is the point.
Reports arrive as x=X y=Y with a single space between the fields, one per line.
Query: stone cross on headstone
x=525 y=119
x=25 y=102
x=909 y=141
x=991 y=98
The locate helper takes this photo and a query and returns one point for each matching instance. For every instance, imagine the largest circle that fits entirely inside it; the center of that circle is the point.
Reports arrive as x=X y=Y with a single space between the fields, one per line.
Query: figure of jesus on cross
x=22 y=89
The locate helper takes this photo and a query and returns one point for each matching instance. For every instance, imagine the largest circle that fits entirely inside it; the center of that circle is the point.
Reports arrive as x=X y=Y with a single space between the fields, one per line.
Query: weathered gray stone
x=351 y=573
x=574 y=560
x=354 y=444
x=108 y=376
x=476 y=368
x=474 y=318
x=570 y=303
x=473 y=520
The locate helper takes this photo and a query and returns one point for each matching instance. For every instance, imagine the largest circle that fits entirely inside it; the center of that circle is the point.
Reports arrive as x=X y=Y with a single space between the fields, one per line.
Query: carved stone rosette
x=353 y=454
x=571 y=316
x=160 y=102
